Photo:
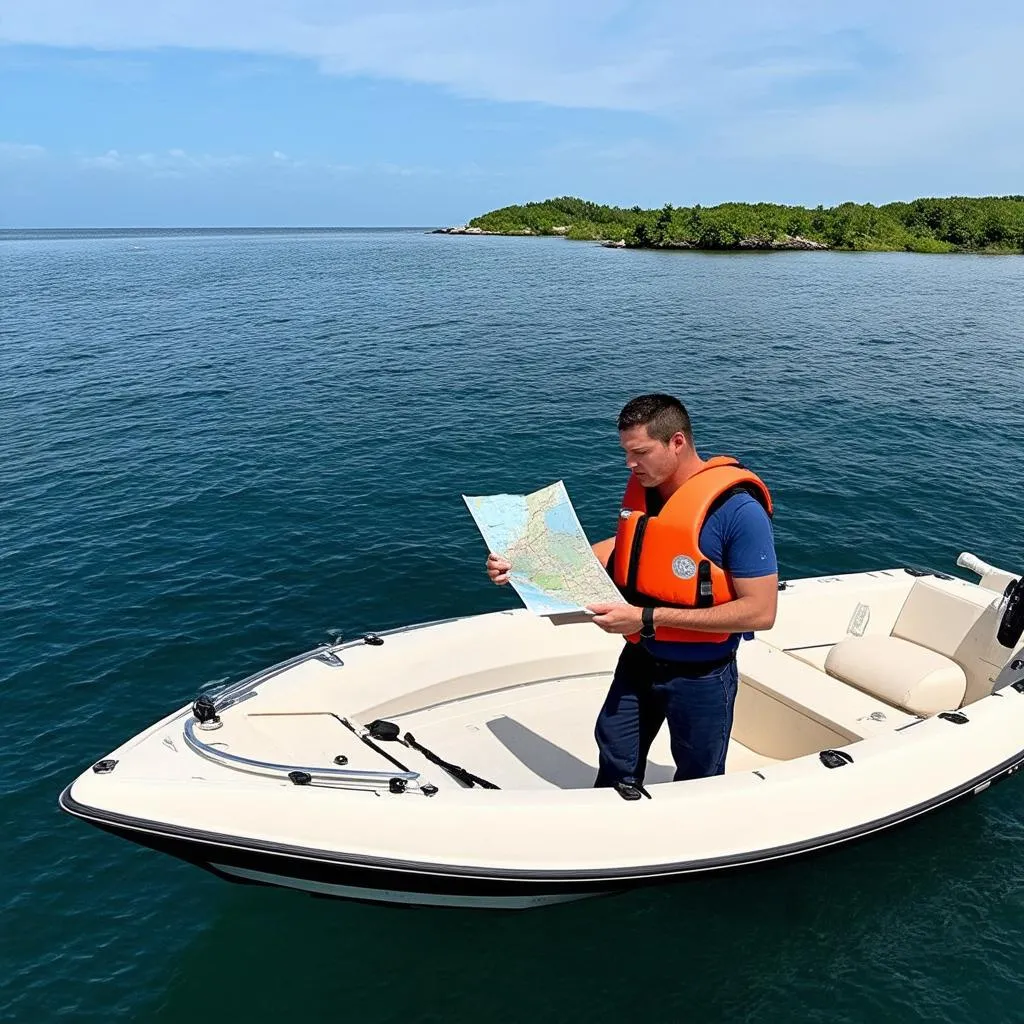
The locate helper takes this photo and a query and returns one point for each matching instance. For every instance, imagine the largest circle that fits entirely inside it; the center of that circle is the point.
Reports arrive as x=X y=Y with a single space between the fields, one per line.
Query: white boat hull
x=290 y=790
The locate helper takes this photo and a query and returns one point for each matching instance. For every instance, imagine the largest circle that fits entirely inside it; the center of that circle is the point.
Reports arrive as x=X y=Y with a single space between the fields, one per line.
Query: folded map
x=554 y=570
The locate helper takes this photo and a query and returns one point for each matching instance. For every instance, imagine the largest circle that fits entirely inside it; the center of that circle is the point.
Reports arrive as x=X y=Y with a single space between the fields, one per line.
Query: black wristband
x=647 y=623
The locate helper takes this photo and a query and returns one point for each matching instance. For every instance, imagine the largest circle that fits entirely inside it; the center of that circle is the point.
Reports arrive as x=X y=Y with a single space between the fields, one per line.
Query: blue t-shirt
x=738 y=537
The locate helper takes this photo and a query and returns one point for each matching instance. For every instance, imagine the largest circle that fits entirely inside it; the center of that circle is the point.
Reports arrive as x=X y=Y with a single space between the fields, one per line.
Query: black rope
x=366 y=739
x=466 y=777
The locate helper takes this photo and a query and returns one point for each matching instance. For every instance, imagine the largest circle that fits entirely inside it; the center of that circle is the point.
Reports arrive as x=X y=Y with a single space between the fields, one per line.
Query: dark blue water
x=218 y=446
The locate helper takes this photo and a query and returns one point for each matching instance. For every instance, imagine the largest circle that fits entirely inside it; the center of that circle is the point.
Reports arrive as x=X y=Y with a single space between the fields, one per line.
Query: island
x=989 y=224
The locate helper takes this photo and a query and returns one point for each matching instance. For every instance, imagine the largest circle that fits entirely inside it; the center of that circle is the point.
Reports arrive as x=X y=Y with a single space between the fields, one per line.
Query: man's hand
x=498 y=569
x=617 y=618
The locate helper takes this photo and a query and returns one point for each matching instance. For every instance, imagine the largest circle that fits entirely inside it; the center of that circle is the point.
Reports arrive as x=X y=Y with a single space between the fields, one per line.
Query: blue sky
x=326 y=112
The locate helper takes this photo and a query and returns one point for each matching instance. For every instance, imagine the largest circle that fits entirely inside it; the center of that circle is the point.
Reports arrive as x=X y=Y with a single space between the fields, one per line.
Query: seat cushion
x=899 y=672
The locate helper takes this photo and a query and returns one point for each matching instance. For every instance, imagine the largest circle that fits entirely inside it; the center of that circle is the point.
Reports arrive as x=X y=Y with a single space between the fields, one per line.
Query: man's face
x=651 y=461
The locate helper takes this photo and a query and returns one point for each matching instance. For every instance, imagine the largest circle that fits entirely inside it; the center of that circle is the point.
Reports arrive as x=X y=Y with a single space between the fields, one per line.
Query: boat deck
x=514 y=699
x=538 y=736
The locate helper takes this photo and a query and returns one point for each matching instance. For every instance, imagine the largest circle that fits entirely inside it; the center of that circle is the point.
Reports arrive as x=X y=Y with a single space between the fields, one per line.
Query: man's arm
x=748 y=551
x=603 y=549
x=752 y=609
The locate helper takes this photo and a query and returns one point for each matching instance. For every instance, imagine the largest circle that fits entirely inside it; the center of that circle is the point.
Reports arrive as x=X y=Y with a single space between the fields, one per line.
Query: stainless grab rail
x=271 y=768
x=233 y=692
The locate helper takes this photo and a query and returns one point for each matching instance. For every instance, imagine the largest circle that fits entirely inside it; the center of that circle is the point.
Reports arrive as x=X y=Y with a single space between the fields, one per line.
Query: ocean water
x=218 y=446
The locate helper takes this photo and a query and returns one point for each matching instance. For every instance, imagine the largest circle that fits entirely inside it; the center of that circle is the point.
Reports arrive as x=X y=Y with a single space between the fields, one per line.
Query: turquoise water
x=218 y=446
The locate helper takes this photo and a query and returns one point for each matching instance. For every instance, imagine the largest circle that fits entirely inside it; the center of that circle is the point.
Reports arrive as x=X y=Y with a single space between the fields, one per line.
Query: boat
x=452 y=763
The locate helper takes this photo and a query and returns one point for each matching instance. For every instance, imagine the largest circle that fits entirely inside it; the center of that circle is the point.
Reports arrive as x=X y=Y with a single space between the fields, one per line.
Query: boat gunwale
x=121 y=823
x=233 y=693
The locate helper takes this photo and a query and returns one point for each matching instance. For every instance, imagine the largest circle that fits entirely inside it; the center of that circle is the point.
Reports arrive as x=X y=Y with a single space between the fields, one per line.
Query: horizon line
x=235 y=227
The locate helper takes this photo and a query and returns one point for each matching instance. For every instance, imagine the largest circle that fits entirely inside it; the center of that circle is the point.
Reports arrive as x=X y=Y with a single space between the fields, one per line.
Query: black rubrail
x=374 y=873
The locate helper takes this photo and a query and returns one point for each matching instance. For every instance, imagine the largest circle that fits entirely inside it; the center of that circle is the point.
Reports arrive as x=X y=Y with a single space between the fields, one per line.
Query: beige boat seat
x=899 y=672
x=846 y=712
x=938 y=655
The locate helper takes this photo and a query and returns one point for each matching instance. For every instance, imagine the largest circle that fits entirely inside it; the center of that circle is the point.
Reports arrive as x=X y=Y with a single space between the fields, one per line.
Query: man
x=694 y=556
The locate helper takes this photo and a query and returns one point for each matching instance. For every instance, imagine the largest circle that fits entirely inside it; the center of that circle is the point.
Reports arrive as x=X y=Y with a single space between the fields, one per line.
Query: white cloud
x=114 y=69
x=109 y=161
x=404 y=171
x=18 y=151
x=179 y=163
x=959 y=102
x=581 y=53
x=173 y=162
x=871 y=82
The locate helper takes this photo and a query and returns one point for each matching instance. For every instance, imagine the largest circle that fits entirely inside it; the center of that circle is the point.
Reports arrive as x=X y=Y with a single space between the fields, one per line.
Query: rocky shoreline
x=465 y=229
x=753 y=243
x=785 y=242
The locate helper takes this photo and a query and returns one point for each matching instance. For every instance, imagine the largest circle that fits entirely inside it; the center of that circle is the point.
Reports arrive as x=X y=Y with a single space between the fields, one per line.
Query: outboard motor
x=992 y=577
x=1011 y=624
x=1011 y=607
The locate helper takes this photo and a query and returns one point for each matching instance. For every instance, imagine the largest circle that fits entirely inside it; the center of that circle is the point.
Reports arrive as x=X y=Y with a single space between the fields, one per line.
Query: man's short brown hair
x=662 y=415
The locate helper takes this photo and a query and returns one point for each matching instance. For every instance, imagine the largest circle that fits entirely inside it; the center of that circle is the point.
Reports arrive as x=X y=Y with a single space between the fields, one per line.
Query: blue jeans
x=697 y=701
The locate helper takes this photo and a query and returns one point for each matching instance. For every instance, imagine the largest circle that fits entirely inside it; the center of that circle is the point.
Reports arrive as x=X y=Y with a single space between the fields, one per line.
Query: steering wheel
x=1011 y=625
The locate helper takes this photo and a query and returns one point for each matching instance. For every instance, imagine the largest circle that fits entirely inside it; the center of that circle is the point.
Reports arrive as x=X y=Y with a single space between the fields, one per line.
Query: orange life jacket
x=657 y=558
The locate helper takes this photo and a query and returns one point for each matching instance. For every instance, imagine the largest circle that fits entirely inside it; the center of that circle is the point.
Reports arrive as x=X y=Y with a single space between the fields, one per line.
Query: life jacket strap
x=705 y=588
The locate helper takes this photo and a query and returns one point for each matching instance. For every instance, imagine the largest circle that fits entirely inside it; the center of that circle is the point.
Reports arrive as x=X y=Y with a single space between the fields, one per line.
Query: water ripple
x=220 y=446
